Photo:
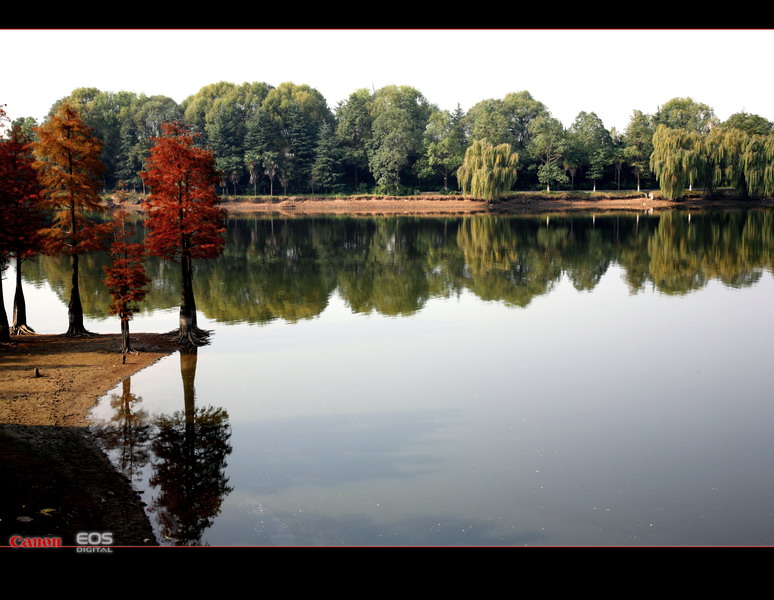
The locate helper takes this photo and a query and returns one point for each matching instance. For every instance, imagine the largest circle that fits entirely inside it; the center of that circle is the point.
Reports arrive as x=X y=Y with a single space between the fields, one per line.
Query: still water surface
x=585 y=380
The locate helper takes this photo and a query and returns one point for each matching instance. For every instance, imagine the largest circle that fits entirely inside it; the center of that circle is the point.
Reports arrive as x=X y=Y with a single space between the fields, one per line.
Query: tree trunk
x=5 y=330
x=20 y=326
x=75 y=308
x=189 y=334
x=126 y=346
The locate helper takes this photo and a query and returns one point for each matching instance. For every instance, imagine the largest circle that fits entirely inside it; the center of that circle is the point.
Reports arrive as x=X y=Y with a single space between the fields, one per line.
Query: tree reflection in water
x=190 y=447
x=128 y=432
x=289 y=268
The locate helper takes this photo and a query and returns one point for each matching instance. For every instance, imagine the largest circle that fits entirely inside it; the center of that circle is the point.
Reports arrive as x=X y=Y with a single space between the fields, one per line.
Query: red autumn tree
x=20 y=207
x=5 y=251
x=70 y=171
x=184 y=218
x=125 y=277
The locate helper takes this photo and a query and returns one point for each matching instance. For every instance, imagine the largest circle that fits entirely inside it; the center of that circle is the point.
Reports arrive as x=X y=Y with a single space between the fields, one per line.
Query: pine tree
x=327 y=170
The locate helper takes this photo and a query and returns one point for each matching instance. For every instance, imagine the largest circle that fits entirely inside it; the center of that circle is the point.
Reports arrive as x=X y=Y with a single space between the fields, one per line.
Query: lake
x=546 y=380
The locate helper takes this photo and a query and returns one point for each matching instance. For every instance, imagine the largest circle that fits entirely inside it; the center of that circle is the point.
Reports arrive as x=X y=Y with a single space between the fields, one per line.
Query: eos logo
x=92 y=541
x=94 y=538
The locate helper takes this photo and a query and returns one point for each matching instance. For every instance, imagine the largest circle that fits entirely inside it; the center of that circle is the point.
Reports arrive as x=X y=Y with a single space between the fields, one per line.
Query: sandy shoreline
x=56 y=480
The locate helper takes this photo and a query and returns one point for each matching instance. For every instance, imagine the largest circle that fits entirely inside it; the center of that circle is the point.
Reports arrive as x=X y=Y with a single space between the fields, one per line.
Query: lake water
x=600 y=379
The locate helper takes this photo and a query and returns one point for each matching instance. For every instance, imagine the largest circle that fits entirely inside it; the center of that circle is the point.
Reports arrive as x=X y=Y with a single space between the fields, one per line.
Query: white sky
x=609 y=72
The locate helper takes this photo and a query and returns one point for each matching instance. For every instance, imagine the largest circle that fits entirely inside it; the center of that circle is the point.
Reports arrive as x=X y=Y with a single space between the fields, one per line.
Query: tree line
x=285 y=139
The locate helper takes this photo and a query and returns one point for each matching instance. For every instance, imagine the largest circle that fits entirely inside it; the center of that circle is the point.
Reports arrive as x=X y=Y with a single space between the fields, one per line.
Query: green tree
x=595 y=144
x=638 y=143
x=548 y=144
x=685 y=113
x=353 y=127
x=327 y=170
x=226 y=135
x=444 y=144
x=26 y=127
x=487 y=120
x=748 y=123
x=400 y=116
x=197 y=108
x=296 y=113
x=260 y=147
x=520 y=110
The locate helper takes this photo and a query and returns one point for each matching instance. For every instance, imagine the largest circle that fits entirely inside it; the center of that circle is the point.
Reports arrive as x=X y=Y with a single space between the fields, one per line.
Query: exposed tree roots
x=22 y=329
x=192 y=337
x=78 y=333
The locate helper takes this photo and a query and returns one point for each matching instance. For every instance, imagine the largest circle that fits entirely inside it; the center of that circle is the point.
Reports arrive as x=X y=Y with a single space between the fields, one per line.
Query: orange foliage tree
x=184 y=219
x=125 y=277
x=70 y=171
x=22 y=218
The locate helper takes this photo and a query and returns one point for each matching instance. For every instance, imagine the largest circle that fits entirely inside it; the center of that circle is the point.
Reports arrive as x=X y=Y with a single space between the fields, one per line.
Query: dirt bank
x=456 y=205
x=56 y=481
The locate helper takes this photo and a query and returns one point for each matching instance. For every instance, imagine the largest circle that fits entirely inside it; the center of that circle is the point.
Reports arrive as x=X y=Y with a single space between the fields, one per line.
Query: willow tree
x=675 y=160
x=487 y=171
x=757 y=165
x=721 y=159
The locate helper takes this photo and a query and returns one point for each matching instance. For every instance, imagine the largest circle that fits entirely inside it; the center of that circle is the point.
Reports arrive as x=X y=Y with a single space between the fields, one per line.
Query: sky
x=608 y=72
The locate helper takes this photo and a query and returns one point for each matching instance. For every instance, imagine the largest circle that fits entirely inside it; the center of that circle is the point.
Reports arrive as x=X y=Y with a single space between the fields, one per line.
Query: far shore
x=518 y=202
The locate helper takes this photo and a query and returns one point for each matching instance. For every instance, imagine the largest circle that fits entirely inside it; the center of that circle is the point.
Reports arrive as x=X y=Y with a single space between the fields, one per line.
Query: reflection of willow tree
x=687 y=250
x=128 y=431
x=510 y=260
x=191 y=448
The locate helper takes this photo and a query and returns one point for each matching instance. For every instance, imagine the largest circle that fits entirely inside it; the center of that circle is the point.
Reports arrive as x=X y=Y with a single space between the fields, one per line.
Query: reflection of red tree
x=184 y=218
x=191 y=448
x=128 y=431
